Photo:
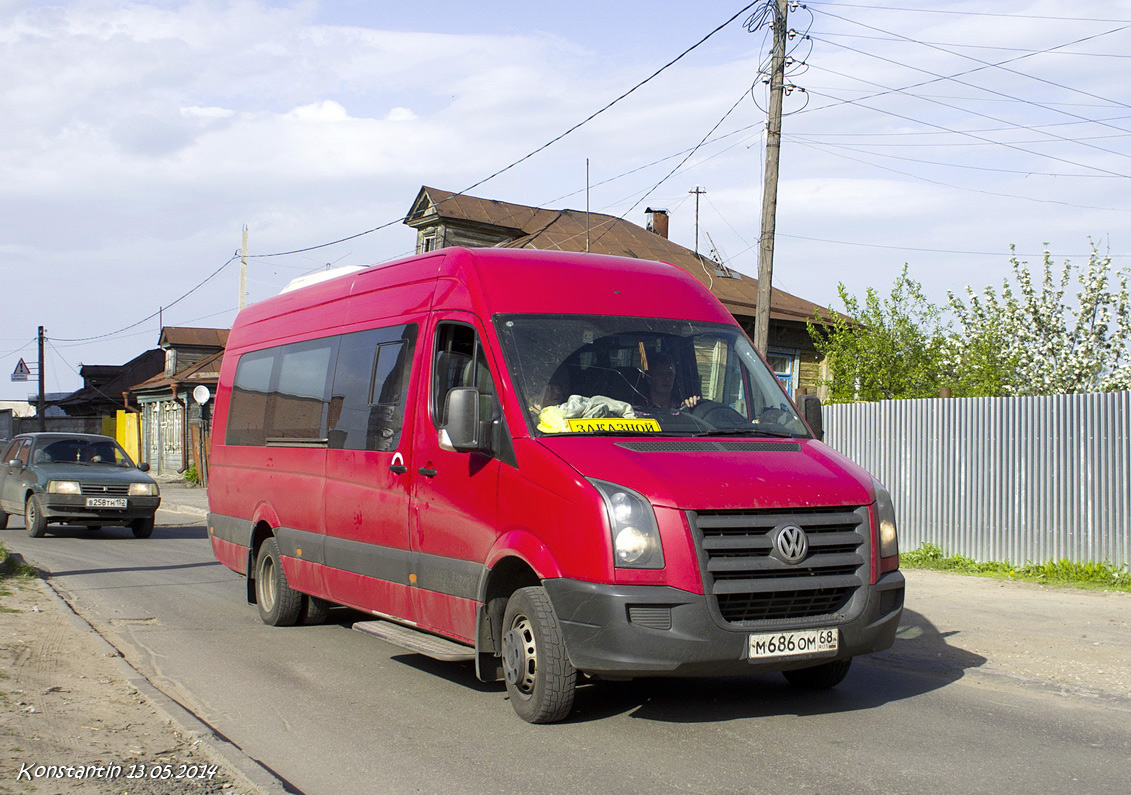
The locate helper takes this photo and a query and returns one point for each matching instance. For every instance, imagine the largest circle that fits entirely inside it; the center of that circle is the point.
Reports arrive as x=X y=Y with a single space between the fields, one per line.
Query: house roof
x=177 y=336
x=137 y=369
x=566 y=230
x=206 y=371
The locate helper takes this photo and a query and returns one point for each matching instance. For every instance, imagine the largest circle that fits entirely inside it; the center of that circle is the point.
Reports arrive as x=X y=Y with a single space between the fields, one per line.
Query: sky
x=137 y=140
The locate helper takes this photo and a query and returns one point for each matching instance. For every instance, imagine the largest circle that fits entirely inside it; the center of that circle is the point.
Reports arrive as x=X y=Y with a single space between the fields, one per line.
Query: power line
x=541 y=148
x=973 y=190
x=801 y=139
x=927 y=250
x=906 y=89
x=957 y=132
x=964 y=13
x=996 y=47
x=155 y=314
x=1000 y=66
x=987 y=116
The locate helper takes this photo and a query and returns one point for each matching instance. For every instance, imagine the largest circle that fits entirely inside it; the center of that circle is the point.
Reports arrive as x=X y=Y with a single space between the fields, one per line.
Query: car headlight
x=636 y=536
x=143 y=489
x=63 y=487
x=885 y=518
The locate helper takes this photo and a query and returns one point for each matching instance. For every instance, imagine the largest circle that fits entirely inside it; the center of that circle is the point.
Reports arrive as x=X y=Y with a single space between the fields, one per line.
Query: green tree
x=887 y=347
x=1027 y=340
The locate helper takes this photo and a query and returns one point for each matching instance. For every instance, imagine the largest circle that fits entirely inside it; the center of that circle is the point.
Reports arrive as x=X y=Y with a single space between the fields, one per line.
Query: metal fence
x=1018 y=479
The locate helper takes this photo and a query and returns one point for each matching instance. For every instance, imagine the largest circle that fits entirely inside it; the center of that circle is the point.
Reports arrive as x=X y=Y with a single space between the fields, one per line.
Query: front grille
x=749 y=581
x=115 y=490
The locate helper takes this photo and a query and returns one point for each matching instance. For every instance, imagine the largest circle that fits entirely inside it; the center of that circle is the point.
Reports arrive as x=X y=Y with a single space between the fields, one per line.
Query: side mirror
x=15 y=462
x=144 y=467
x=463 y=431
x=810 y=406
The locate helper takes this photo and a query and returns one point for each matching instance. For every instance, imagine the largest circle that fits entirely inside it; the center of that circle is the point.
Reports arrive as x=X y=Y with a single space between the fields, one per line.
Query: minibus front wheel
x=279 y=604
x=539 y=677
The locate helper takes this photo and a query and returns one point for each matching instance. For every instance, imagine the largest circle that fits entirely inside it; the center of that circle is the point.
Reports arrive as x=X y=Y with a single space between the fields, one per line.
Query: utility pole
x=243 y=270
x=41 y=400
x=770 y=189
x=698 y=191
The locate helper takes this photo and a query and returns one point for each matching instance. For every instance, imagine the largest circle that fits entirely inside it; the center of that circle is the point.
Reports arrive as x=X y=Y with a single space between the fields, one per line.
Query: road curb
x=249 y=773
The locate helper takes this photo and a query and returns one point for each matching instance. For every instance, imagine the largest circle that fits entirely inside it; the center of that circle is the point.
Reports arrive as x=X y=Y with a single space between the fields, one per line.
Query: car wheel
x=34 y=519
x=279 y=604
x=314 y=611
x=540 y=679
x=819 y=677
x=143 y=528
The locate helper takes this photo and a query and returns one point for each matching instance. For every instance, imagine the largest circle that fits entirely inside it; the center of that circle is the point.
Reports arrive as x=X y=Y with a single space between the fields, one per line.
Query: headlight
x=636 y=536
x=885 y=517
x=143 y=489
x=64 y=487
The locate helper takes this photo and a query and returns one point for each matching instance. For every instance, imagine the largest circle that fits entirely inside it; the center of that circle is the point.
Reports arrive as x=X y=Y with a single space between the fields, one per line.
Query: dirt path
x=65 y=702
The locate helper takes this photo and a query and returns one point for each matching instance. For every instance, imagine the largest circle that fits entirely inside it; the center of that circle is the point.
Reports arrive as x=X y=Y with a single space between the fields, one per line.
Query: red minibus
x=553 y=465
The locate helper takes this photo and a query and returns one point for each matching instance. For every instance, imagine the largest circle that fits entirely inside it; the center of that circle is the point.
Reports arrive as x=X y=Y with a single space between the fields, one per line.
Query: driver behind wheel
x=659 y=377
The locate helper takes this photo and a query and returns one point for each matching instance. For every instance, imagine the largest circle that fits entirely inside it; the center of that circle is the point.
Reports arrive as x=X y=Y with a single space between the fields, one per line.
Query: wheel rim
x=30 y=517
x=520 y=656
x=266 y=583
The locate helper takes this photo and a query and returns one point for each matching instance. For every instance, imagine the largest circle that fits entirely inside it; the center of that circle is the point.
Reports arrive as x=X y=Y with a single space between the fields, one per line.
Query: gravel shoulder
x=1065 y=640
x=67 y=700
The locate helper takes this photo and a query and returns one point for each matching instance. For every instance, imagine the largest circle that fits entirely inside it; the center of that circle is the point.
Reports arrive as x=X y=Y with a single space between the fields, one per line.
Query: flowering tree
x=1028 y=341
x=1025 y=339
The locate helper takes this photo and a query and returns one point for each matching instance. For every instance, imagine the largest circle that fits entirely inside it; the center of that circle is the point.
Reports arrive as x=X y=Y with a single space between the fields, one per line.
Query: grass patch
x=1064 y=573
x=13 y=567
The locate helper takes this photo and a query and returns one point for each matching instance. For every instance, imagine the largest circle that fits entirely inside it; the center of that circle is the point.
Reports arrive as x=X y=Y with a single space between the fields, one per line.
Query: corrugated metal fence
x=1018 y=479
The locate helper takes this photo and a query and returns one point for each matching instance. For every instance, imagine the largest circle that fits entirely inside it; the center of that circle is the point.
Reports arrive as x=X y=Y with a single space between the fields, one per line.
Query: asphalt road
x=330 y=710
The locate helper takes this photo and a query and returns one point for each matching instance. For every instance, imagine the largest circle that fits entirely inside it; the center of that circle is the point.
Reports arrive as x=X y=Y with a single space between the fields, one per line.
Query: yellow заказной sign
x=613 y=424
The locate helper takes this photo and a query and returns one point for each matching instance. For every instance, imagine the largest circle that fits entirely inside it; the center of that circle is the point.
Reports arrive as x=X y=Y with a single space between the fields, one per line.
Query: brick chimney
x=658 y=221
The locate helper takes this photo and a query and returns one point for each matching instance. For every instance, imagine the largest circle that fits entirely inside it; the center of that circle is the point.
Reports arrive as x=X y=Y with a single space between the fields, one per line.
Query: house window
x=784 y=362
x=429 y=243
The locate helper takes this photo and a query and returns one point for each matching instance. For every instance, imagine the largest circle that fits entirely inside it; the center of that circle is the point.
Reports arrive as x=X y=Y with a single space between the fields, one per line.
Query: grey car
x=75 y=478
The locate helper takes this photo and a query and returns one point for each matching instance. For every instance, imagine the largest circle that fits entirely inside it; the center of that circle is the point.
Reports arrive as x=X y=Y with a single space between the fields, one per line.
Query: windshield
x=599 y=374
x=79 y=450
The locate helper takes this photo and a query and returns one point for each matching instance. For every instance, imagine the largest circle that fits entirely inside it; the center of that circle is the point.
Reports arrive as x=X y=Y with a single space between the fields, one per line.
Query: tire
x=3 y=520
x=540 y=679
x=279 y=604
x=314 y=611
x=143 y=528
x=819 y=677
x=34 y=519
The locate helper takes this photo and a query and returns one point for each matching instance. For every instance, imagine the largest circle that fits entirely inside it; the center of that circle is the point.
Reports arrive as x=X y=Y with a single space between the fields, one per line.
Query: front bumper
x=72 y=508
x=636 y=630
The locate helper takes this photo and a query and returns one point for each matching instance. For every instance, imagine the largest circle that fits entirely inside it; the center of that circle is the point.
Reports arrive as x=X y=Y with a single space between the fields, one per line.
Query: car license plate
x=106 y=502
x=785 y=644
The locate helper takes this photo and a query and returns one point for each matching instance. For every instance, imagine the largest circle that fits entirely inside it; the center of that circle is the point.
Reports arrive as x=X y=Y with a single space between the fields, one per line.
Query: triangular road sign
x=21 y=372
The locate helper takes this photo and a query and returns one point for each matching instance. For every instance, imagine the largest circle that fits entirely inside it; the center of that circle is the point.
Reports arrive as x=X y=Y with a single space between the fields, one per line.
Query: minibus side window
x=247 y=412
x=460 y=361
x=370 y=388
x=298 y=408
x=279 y=395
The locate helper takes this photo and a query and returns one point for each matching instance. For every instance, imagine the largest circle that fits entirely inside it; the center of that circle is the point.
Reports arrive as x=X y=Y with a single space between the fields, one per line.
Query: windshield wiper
x=748 y=432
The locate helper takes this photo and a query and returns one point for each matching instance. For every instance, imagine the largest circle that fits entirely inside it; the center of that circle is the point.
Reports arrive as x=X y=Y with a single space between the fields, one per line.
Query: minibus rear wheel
x=314 y=610
x=279 y=604
x=540 y=679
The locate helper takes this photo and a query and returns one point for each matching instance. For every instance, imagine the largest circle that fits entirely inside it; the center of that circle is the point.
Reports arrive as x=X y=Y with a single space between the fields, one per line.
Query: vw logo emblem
x=791 y=544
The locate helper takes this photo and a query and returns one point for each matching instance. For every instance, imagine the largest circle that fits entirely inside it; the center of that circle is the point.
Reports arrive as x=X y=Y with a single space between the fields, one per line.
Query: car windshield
x=79 y=450
x=596 y=374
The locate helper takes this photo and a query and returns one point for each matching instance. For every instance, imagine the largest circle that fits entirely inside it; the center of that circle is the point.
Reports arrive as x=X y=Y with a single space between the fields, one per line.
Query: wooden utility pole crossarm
x=770 y=187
